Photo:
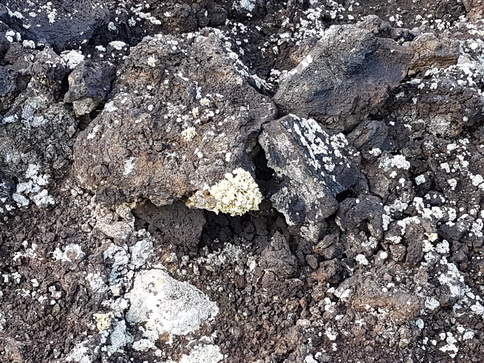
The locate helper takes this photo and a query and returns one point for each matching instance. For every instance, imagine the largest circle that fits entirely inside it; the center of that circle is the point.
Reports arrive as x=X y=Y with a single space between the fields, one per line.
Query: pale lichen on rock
x=236 y=194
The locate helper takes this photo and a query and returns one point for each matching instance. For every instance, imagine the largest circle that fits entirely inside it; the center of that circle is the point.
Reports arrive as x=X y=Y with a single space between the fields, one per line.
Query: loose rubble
x=241 y=181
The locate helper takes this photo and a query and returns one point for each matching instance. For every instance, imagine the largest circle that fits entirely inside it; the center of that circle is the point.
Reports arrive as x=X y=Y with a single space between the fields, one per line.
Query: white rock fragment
x=93 y=132
x=152 y=61
x=79 y=354
x=450 y=347
x=203 y=353
x=28 y=44
x=43 y=198
x=108 y=107
x=443 y=247
x=70 y=253
x=420 y=179
x=330 y=334
x=129 y=165
x=141 y=252
x=161 y=304
x=388 y=162
x=310 y=359
x=96 y=282
x=453 y=279
x=118 y=45
x=361 y=259
x=20 y=200
x=420 y=323
x=478 y=309
x=119 y=337
x=431 y=303
x=143 y=345
x=247 y=5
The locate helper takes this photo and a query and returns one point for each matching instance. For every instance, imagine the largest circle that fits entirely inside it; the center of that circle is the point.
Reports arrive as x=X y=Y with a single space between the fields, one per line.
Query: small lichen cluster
x=189 y=134
x=237 y=194
x=103 y=321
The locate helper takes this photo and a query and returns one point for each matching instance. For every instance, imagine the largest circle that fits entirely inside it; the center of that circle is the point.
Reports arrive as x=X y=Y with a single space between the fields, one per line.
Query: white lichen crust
x=237 y=194
x=189 y=134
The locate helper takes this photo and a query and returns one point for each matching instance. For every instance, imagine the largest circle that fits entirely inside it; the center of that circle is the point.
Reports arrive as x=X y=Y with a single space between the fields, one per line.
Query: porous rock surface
x=356 y=125
x=139 y=146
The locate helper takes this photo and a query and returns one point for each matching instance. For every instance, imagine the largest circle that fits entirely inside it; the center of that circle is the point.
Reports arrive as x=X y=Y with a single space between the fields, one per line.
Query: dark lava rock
x=59 y=24
x=313 y=167
x=441 y=105
x=182 y=115
x=368 y=136
x=89 y=84
x=277 y=257
x=431 y=51
x=346 y=75
x=8 y=87
x=7 y=187
x=368 y=290
x=362 y=213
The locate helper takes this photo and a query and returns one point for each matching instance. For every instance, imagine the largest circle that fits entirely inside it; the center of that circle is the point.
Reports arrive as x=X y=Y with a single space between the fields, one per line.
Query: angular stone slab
x=313 y=165
x=344 y=77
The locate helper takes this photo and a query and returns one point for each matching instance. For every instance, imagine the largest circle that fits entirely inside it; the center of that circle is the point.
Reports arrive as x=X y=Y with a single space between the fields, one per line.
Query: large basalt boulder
x=441 y=105
x=182 y=116
x=313 y=166
x=344 y=77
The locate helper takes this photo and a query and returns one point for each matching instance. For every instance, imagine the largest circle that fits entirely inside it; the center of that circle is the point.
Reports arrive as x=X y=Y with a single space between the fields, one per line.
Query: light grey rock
x=165 y=305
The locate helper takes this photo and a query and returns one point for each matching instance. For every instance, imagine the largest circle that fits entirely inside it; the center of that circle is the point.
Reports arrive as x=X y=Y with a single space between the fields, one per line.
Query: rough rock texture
x=173 y=223
x=166 y=306
x=385 y=266
x=374 y=290
x=8 y=88
x=313 y=167
x=430 y=52
x=181 y=115
x=89 y=84
x=474 y=8
x=58 y=24
x=344 y=77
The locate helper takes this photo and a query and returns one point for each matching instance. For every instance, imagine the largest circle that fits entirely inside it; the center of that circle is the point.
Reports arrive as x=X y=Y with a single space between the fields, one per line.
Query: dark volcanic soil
x=241 y=181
